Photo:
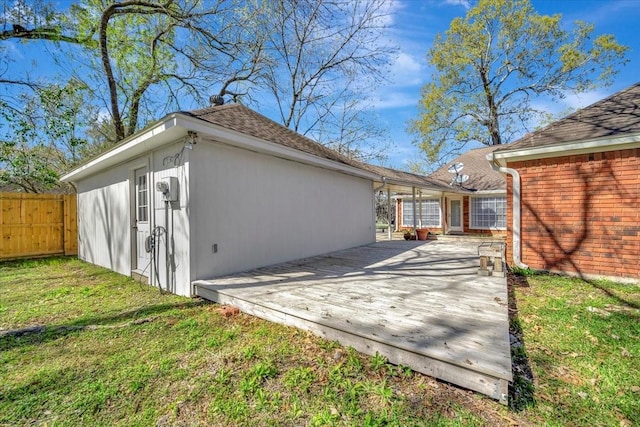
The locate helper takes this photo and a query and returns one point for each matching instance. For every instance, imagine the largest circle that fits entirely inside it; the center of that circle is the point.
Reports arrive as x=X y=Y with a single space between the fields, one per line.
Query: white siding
x=104 y=220
x=167 y=163
x=260 y=210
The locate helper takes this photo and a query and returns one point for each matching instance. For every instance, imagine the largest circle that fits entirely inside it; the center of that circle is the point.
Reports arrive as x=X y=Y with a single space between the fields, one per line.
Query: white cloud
x=389 y=12
x=581 y=100
x=464 y=3
x=103 y=115
x=391 y=99
x=407 y=70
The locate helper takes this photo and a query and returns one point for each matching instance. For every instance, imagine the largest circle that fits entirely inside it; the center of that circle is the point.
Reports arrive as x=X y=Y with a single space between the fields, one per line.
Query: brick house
x=576 y=207
x=477 y=206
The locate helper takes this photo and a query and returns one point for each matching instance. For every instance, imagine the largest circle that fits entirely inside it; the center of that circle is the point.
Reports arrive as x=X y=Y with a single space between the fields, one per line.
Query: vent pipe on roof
x=216 y=100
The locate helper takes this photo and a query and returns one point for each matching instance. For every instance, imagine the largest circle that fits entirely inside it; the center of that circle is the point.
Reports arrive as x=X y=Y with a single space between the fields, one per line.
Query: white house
x=221 y=190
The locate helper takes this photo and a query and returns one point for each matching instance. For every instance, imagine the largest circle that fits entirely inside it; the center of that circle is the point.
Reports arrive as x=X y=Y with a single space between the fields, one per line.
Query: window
x=430 y=213
x=489 y=212
x=143 y=207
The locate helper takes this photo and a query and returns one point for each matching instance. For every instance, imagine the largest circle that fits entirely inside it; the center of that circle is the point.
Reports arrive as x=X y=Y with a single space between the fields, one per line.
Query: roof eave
x=238 y=139
x=176 y=125
x=569 y=148
x=160 y=133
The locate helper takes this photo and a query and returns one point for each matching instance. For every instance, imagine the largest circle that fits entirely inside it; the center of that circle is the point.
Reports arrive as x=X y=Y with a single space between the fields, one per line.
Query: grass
x=582 y=340
x=91 y=347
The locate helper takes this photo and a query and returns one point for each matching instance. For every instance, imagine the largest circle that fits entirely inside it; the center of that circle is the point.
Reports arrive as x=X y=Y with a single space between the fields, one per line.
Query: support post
x=420 y=209
x=413 y=199
x=389 y=213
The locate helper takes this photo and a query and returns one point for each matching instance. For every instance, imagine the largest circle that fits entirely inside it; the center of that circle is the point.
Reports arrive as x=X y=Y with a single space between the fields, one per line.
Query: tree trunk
x=106 y=63
x=492 y=123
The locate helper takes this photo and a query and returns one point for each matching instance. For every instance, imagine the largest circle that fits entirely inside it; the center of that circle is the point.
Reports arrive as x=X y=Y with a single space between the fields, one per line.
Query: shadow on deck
x=420 y=304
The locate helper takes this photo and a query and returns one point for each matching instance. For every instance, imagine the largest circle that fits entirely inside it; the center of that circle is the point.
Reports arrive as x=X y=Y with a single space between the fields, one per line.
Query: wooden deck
x=420 y=304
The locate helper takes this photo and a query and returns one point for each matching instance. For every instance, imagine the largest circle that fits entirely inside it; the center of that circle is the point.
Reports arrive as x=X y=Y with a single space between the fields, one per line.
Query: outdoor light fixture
x=192 y=139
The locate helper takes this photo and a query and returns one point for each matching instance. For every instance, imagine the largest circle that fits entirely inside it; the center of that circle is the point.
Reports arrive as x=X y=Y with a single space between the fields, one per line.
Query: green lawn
x=90 y=347
x=582 y=340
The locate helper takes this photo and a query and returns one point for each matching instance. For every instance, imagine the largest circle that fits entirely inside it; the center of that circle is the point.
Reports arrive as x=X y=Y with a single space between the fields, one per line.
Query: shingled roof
x=619 y=114
x=481 y=176
x=242 y=119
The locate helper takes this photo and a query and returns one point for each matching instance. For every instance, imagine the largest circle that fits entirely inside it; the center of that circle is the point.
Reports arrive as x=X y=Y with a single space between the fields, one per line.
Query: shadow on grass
x=40 y=334
x=521 y=390
x=620 y=300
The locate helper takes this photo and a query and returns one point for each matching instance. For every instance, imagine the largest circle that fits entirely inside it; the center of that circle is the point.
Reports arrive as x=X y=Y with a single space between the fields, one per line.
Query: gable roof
x=242 y=119
x=482 y=177
x=614 y=116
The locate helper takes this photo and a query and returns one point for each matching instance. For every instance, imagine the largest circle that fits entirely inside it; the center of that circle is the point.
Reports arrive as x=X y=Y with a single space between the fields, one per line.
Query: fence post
x=70 y=225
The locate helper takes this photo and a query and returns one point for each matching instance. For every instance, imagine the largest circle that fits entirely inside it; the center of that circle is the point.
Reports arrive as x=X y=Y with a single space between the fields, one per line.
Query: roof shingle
x=242 y=119
x=616 y=115
x=481 y=176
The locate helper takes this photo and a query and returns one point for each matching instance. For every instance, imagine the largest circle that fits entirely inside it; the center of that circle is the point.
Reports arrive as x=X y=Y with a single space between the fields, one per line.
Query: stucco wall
x=581 y=214
x=259 y=210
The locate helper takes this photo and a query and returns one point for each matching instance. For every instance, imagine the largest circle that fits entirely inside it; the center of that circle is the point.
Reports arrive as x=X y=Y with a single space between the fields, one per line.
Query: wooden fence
x=35 y=225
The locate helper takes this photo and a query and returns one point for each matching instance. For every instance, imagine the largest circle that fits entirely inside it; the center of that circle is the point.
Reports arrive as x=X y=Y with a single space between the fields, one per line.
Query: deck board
x=418 y=303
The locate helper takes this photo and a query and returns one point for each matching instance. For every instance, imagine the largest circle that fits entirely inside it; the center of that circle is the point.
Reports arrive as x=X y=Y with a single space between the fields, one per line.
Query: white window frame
x=472 y=212
x=142 y=198
x=425 y=202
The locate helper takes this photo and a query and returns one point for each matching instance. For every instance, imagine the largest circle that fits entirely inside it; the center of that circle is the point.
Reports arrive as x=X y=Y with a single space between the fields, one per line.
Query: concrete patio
x=420 y=304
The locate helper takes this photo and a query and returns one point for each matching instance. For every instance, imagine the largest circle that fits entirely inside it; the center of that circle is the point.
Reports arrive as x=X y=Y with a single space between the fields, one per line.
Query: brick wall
x=465 y=225
x=400 y=226
x=466 y=213
x=580 y=214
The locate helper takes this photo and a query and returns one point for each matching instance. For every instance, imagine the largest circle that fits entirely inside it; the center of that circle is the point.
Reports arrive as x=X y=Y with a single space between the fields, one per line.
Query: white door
x=141 y=225
x=455 y=215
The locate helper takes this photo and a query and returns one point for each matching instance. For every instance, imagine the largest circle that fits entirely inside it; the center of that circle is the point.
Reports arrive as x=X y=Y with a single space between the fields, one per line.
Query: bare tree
x=314 y=59
x=323 y=57
x=351 y=129
x=184 y=46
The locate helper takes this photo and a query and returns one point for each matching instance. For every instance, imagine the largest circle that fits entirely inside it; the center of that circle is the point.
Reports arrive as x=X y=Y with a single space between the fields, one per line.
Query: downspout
x=384 y=182
x=516 y=209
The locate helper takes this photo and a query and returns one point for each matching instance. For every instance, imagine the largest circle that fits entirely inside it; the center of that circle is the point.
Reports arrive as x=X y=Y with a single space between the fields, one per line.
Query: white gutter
x=516 y=209
x=570 y=148
x=175 y=126
x=248 y=142
x=158 y=134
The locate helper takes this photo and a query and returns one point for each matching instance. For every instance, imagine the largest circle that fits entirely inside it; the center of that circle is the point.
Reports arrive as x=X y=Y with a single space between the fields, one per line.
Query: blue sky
x=416 y=22
x=413 y=26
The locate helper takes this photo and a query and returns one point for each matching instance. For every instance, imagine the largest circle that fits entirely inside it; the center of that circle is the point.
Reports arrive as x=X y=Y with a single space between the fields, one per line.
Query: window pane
x=430 y=213
x=143 y=208
x=489 y=212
